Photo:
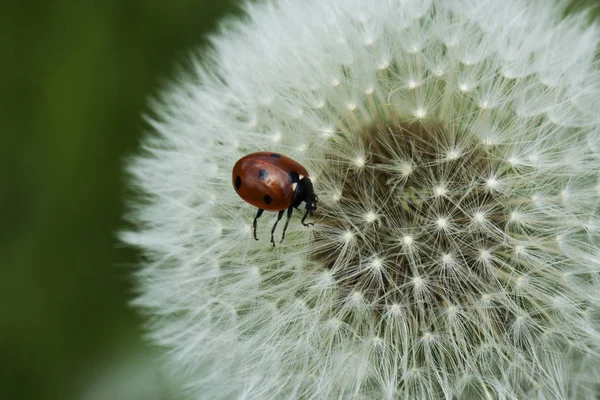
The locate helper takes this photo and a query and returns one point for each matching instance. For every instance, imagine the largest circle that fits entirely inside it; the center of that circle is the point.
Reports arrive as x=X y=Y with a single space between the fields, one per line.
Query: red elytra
x=273 y=182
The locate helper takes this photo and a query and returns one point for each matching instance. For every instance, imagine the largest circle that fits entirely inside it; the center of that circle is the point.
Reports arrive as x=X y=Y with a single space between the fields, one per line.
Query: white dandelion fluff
x=455 y=149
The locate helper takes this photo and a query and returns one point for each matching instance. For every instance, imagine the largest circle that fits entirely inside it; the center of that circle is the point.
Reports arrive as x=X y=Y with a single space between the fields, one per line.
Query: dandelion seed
x=492 y=184
x=442 y=223
x=515 y=216
x=359 y=161
x=420 y=113
x=336 y=196
x=479 y=217
x=439 y=191
x=348 y=236
x=376 y=264
x=370 y=217
x=484 y=255
x=521 y=282
x=452 y=154
x=406 y=169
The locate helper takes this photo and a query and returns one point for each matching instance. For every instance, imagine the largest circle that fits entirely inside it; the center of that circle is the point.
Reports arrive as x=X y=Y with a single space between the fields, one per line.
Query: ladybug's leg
x=279 y=215
x=290 y=210
x=304 y=218
x=258 y=214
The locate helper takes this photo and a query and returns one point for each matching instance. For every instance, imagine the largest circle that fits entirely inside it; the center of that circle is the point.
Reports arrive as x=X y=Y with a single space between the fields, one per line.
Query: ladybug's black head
x=311 y=204
x=305 y=193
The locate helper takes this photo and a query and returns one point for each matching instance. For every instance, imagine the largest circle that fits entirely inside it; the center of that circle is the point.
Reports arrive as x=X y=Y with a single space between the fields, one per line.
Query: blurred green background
x=76 y=76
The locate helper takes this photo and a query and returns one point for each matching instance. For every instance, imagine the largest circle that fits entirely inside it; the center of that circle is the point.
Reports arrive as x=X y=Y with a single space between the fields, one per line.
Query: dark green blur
x=75 y=76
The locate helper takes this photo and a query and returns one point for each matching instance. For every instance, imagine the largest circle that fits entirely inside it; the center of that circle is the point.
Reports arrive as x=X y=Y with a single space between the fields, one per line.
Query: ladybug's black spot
x=267 y=199
x=238 y=182
x=262 y=175
x=294 y=177
x=275 y=155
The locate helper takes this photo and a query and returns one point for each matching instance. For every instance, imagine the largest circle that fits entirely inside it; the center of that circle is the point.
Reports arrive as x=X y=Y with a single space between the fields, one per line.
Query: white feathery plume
x=455 y=149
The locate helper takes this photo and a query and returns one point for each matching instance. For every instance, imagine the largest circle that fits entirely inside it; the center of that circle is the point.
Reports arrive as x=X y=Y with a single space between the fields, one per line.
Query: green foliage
x=76 y=77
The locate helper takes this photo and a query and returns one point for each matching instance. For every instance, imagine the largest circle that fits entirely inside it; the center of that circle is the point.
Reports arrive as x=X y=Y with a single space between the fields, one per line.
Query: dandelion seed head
x=454 y=150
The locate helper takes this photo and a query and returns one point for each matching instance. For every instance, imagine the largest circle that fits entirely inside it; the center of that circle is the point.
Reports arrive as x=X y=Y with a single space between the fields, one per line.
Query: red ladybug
x=273 y=182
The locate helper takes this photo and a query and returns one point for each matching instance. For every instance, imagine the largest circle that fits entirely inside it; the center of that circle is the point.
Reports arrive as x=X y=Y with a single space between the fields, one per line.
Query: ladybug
x=273 y=182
